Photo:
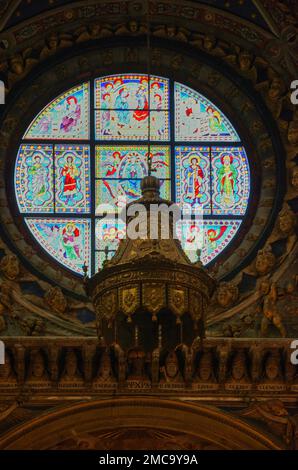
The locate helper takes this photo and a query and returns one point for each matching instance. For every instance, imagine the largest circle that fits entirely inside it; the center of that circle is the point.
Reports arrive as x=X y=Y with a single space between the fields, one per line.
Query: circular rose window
x=89 y=147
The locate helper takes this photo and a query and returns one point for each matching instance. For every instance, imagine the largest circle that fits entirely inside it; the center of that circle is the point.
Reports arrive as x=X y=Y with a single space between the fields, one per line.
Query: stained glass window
x=66 y=240
x=34 y=181
x=72 y=178
x=84 y=155
x=66 y=117
x=197 y=119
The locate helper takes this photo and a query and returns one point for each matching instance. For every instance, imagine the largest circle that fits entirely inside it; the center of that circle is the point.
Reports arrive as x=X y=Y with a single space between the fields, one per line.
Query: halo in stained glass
x=131 y=162
x=108 y=233
x=198 y=119
x=230 y=180
x=193 y=177
x=63 y=188
x=72 y=178
x=34 y=178
x=66 y=117
x=132 y=125
x=131 y=91
x=66 y=240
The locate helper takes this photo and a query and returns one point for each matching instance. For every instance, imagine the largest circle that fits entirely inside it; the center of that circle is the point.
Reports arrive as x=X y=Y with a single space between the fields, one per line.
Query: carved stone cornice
x=232 y=371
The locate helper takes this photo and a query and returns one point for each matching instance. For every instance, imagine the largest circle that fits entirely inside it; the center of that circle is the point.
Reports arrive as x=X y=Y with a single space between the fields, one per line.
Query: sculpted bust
x=286 y=221
x=205 y=372
x=37 y=370
x=9 y=266
x=272 y=368
x=71 y=372
x=265 y=261
x=170 y=371
x=105 y=373
x=56 y=300
x=226 y=294
x=239 y=369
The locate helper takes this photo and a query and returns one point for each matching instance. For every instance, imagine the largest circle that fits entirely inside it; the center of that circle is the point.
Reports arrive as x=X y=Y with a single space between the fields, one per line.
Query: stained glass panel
x=131 y=92
x=66 y=117
x=230 y=180
x=132 y=125
x=67 y=240
x=100 y=257
x=131 y=162
x=34 y=178
x=210 y=236
x=198 y=119
x=108 y=233
x=72 y=178
x=193 y=177
x=115 y=194
x=211 y=181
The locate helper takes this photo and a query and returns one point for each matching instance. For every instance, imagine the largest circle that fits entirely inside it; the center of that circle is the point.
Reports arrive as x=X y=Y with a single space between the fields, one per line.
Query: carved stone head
x=272 y=365
x=245 y=61
x=276 y=89
x=286 y=221
x=133 y=26
x=10 y=267
x=37 y=366
x=56 y=299
x=265 y=261
x=206 y=366
x=171 y=365
x=226 y=294
x=239 y=366
x=17 y=64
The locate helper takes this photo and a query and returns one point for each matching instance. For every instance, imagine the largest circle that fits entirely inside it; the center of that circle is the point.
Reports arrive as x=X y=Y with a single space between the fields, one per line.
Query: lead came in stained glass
x=63 y=188
x=193 y=177
x=113 y=195
x=67 y=240
x=34 y=178
x=197 y=119
x=131 y=162
x=72 y=178
x=108 y=233
x=66 y=117
x=131 y=92
x=209 y=236
x=230 y=180
x=132 y=125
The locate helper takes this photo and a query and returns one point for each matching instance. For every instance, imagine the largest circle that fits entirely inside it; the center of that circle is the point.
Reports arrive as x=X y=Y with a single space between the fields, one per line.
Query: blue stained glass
x=60 y=186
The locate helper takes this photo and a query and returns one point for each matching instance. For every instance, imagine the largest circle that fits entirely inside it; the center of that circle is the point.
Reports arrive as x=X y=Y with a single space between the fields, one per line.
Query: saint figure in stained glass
x=37 y=176
x=227 y=175
x=193 y=180
x=70 y=241
x=210 y=180
x=72 y=114
x=70 y=173
x=142 y=111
